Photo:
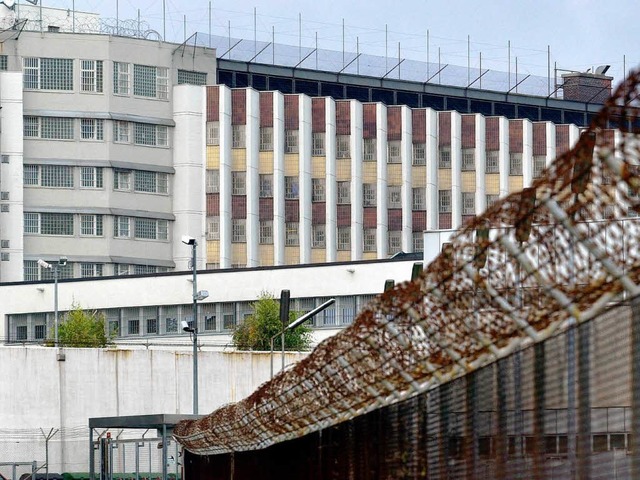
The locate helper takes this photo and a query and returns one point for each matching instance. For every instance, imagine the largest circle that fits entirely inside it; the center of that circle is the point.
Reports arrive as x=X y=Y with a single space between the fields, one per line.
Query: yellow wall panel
x=369 y=172
x=492 y=183
x=444 y=179
x=369 y=255
x=238 y=159
x=394 y=174
x=318 y=167
x=265 y=253
x=291 y=164
x=213 y=157
x=343 y=169
x=515 y=184
x=468 y=181
x=291 y=255
x=239 y=253
x=318 y=255
x=419 y=176
x=343 y=256
x=265 y=162
x=213 y=251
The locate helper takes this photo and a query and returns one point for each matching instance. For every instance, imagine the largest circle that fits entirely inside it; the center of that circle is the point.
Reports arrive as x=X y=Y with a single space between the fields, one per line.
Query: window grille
x=491 y=162
x=134 y=325
x=31 y=127
x=237 y=136
x=419 y=154
x=444 y=201
x=91 y=225
x=122 y=180
x=122 y=227
x=144 y=269
x=266 y=185
x=266 y=139
x=291 y=141
x=291 y=187
x=291 y=234
x=47 y=73
x=213 y=228
x=318 y=144
x=31 y=270
x=88 y=270
x=369 y=150
x=394 y=196
x=491 y=199
x=91 y=76
x=91 y=177
x=56 y=128
x=210 y=322
x=266 y=232
x=444 y=158
x=151 y=82
x=4 y=243
x=369 y=239
x=318 y=190
x=91 y=129
x=228 y=316
x=419 y=198
x=121 y=78
x=344 y=192
x=48 y=223
x=369 y=194
x=468 y=159
x=150 y=229
x=152 y=325
x=191 y=77
x=31 y=174
x=342 y=146
x=121 y=132
x=4 y=208
x=344 y=238
x=58 y=176
x=238 y=183
x=213 y=181
x=213 y=133
x=4 y=62
x=418 y=241
x=539 y=162
x=21 y=333
x=395 y=241
x=393 y=154
x=239 y=231
x=468 y=203
x=39 y=332
x=144 y=181
x=318 y=236
x=150 y=135
x=515 y=164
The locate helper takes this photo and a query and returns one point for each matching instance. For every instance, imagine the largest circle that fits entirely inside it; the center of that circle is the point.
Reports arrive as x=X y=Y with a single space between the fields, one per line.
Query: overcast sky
x=580 y=33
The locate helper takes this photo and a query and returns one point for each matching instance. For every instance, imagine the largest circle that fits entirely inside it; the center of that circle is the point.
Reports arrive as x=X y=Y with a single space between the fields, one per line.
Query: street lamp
x=62 y=261
x=197 y=295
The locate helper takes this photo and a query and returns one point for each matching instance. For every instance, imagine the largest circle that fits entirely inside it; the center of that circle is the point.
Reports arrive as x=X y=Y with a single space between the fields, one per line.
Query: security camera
x=186 y=327
x=43 y=264
x=187 y=240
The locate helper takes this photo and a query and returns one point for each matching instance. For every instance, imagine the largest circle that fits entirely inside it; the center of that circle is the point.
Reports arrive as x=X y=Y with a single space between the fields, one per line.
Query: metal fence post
x=471 y=425
x=584 y=401
x=501 y=408
x=635 y=386
x=539 y=387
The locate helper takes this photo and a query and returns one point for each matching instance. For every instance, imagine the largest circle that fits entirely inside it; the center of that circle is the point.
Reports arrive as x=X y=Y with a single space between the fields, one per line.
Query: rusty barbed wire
x=559 y=251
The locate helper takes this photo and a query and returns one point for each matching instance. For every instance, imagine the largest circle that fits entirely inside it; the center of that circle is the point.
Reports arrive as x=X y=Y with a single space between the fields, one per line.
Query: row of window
x=34 y=272
x=90 y=225
x=93 y=129
x=63 y=176
x=140 y=80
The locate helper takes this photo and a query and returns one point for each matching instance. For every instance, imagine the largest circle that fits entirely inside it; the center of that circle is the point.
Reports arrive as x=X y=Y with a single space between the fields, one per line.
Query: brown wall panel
x=539 y=138
x=492 y=133
x=266 y=109
x=213 y=104
x=369 y=120
x=291 y=112
x=444 y=128
x=238 y=206
x=394 y=123
x=265 y=209
x=419 y=125
x=318 y=213
x=370 y=218
x=468 y=131
x=419 y=221
x=291 y=211
x=239 y=107
x=562 y=139
x=318 y=106
x=515 y=136
x=395 y=218
x=343 y=117
x=213 y=204
x=344 y=215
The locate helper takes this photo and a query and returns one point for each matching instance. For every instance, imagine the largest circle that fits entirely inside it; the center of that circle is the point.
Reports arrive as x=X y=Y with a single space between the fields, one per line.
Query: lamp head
x=187 y=240
x=201 y=295
x=62 y=261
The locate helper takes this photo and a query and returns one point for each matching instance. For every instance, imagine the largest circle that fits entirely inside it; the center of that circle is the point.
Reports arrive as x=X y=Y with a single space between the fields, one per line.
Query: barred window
x=213 y=181
x=344 y=238
x=88 y=270
x=58 y=176
x=91 y=177
x=91 y=76
x=238 y=230
x=191 y=77
x=121 y=227
x=31 y=270
x=492 y=165
x=394 y=196
x=515 y=164
x=344 y=192
x=213 y=133
x=369 y=194
x=369 y=149
x=91 y=129
x=291 y=141
x=151 y=82
x=419 y=154
x=395 y=241
x=122 y=179
x=342 y=146
x=150 y=229
x=393 y=151
x=291 y=234
x=539 y=163
x=40 y=332
x=318 y=236
x=48 y=223
x=419 y=198
x=150 y=135
x=290 y=187
x=468 y=203
x=318 y=139
x=491 y=199
x=266 y=232
x=228 y=316
x=266 y=185
x=213 y=228
x=317 y=186
x=369 y=240
x=121 y=132
x=91 y=225
x=51 y=128
x=47 y=73
x=3 y=62
x=237 y=136
x=444 y=201
x=418 y=241
x=31 y=175
x=238 y=183
x=266 y=139
x=150 y=182
x=444 y=158
x=468 y=159
x=31 y=126
x=121 y=78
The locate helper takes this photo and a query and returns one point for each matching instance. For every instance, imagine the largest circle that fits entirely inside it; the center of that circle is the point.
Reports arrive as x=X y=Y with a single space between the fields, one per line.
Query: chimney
x=587 y=87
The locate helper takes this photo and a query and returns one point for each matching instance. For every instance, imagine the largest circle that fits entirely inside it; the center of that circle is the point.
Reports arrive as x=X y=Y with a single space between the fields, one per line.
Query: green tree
x=257 y=329
x=82 y=328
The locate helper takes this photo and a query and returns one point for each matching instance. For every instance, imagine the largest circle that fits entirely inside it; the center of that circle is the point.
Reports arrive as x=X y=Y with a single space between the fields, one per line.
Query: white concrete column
x=481 y=162
x=527 y=153
x=382 y=212
x=331 y=226
x=356 y=180
x=574 y=135
x=432 y=169
x=304 y=148
x=278 y=179
x=11 y=141
x=503 y=156
x=550 y=133
x=252 y=177
x=407 y=184
x=225 y=177
x=456 y=170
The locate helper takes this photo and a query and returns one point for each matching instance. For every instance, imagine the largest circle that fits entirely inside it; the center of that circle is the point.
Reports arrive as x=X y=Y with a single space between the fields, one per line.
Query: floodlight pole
x=55 y=304
x=195 y=327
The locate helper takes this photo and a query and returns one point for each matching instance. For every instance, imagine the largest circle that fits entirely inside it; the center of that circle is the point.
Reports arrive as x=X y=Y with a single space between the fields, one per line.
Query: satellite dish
x=602 y=69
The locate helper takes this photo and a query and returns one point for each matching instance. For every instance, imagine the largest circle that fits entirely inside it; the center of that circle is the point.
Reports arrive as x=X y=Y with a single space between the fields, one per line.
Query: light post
x=62 y=261
x=197 y=295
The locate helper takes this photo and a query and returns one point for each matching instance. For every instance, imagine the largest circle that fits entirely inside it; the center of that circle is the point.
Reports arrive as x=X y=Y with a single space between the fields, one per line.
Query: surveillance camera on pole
x=187 y=240
x=186 y=327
